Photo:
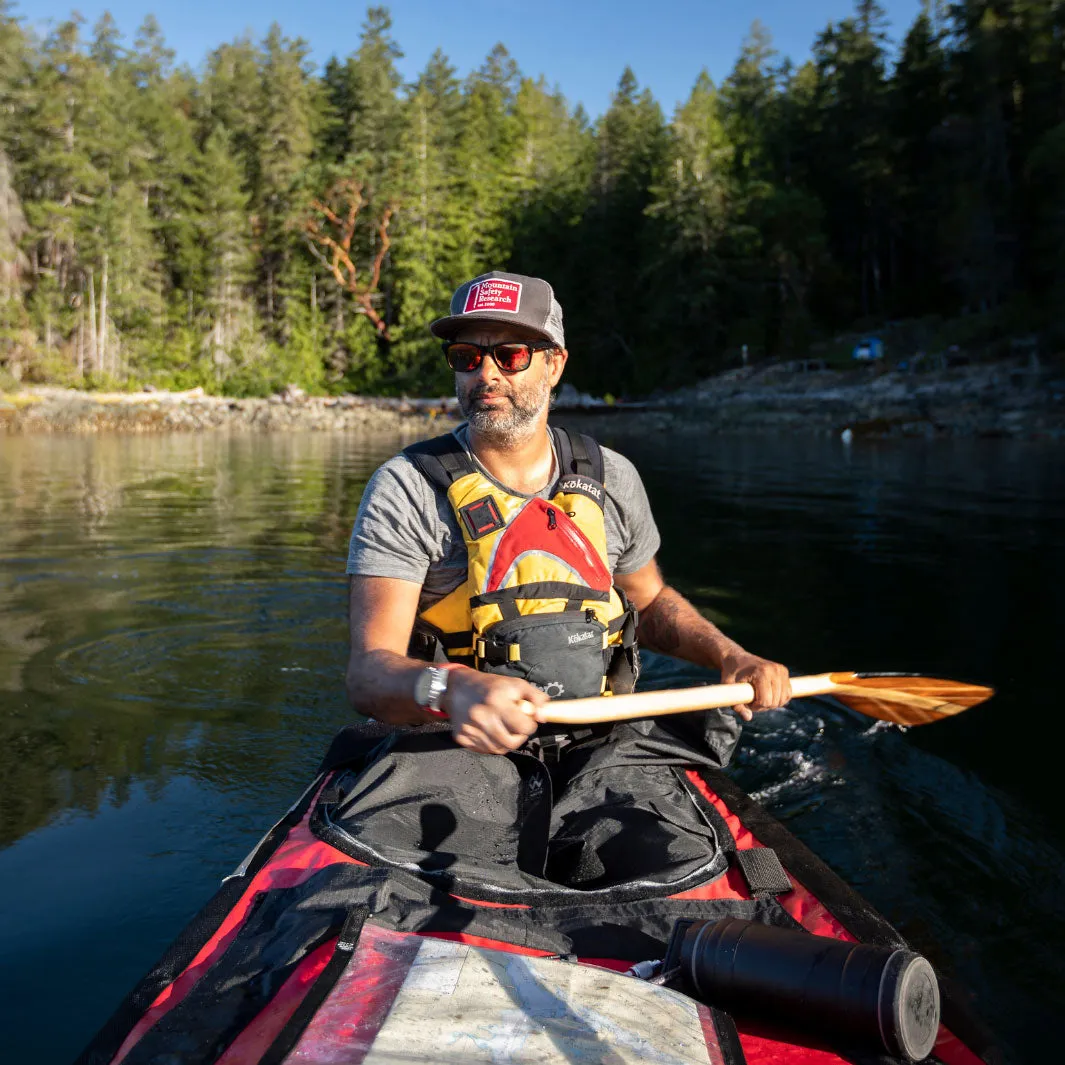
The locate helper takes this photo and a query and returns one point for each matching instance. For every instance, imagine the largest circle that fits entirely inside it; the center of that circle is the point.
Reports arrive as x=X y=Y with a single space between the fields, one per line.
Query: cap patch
x=493 y=295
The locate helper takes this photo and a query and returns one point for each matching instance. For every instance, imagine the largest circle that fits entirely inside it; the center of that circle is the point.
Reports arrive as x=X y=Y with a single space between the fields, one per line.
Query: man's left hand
x=772 y=686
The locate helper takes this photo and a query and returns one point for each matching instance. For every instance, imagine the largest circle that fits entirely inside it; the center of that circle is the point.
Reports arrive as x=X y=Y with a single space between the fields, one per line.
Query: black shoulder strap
x=578 y=453
x=441 y=460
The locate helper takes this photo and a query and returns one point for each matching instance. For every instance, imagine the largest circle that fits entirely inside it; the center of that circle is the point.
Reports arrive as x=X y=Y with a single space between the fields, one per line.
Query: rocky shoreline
x=1000 y=400
x=57 y=410
x=1021 y=402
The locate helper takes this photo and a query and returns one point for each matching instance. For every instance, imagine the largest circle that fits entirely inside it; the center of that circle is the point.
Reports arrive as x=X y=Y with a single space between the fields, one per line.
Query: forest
x=261 y=221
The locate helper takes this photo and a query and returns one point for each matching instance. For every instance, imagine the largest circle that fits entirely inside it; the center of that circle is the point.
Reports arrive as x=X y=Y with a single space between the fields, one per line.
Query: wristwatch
x=430 y=686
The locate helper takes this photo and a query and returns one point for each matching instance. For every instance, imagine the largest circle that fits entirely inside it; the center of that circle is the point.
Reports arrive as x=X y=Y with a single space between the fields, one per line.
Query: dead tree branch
x=330 y=231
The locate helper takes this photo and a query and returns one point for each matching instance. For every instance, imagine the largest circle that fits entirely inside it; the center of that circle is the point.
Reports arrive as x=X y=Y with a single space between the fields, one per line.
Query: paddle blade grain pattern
x=906 y=699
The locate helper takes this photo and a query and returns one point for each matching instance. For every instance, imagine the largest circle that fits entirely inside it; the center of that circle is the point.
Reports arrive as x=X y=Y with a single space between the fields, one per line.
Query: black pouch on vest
x=562 y=654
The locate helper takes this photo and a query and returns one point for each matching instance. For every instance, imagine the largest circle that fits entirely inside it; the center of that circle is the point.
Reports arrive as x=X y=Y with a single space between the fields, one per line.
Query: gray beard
x=508 y=425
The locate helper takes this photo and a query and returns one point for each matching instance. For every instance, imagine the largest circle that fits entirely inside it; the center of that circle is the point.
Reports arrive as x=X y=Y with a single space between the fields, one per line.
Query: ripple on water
x=213 y=666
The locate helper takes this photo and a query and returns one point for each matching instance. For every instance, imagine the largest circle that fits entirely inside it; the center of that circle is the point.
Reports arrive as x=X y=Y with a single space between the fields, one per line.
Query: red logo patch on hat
x=493 y=295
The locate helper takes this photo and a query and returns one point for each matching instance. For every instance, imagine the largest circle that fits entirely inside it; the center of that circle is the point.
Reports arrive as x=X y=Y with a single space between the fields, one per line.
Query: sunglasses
x=510 y=356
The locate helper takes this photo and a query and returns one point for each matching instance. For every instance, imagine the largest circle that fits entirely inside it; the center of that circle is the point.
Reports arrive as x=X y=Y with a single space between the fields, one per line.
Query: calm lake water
x=172 y=646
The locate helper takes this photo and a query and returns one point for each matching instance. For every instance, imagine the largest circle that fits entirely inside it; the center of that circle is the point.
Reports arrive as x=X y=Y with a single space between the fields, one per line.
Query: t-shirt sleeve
x=638 y=533
x=393 y=535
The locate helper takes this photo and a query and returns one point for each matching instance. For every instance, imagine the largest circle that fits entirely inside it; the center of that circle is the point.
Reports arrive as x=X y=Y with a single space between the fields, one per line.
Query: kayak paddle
x=901 y=699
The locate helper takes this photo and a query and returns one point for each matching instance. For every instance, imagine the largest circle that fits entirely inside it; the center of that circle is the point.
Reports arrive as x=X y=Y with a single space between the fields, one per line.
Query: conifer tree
x=225 y=240
x=692 y=200
x=288 y=112
x=154 y=221
x=610 y=287
x=427 y=265
x=14 y=332
x=920 y=103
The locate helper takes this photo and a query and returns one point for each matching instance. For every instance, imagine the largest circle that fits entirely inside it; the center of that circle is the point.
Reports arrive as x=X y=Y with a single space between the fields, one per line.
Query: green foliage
x=162 y=226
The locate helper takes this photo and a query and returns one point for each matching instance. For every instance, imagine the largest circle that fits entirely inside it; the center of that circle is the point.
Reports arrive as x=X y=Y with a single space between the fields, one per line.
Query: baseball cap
x=510 y=299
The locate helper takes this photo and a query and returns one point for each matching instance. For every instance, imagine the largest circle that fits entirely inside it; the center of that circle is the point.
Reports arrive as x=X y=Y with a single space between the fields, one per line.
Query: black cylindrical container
x=878 y=998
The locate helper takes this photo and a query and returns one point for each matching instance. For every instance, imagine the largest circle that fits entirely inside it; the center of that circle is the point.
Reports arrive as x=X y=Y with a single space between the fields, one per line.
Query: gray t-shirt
x=404 y=529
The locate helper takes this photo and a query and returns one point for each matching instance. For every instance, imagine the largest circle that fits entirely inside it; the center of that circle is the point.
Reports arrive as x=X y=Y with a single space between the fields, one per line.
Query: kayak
x=371 y=924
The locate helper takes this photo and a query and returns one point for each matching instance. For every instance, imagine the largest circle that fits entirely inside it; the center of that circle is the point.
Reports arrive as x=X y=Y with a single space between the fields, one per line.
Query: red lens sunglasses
x=510 y=356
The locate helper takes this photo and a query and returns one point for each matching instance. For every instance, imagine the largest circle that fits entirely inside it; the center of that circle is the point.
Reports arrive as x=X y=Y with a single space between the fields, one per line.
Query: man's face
x=504 y=408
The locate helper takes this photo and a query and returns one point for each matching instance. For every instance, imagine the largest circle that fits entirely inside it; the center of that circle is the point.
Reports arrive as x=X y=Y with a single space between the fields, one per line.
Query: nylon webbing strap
x=564 y=450
x=578 y=453
x=541 y=590
x=441 y=460
x=581 y=462
x=592 y=454
x=343 y=952
x=763 y=872
x=451 y=640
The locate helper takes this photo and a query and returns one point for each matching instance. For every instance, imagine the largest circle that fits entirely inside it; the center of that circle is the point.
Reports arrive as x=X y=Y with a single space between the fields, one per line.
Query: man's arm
x=488 y=713
x=670 y=624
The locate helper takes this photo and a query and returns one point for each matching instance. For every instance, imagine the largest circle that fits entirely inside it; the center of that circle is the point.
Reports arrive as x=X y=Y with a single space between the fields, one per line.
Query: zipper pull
x=552 y=521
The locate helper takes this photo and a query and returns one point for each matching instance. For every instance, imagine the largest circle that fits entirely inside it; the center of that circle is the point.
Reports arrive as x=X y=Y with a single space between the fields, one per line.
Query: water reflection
x=163 y=601
x=172 y=641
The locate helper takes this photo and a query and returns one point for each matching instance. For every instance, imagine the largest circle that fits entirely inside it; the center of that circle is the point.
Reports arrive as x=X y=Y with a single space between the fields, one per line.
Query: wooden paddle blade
x=906 y=699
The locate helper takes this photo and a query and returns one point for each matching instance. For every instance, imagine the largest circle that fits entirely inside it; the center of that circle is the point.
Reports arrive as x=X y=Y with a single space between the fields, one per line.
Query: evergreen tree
x=225 y=240
x=14 y=331
x=15 y=59
x=693 y=200
x=487 y=142
x=610 y=282
x=849 y=157
x=427 y=261
x=748 y=98
x=288 y=112
x=259 y=223
x=375 y=120
x=920 y=104
x=231 y=97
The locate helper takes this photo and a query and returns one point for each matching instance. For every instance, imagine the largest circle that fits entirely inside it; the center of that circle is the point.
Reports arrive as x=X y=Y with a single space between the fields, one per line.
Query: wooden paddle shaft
x=675 y=701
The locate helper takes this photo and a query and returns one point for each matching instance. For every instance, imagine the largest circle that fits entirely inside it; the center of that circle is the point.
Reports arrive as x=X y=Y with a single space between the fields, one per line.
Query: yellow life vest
x=539 y=601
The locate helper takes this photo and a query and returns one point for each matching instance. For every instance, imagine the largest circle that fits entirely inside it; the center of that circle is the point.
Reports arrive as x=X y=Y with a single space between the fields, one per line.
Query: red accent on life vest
x=529 y=531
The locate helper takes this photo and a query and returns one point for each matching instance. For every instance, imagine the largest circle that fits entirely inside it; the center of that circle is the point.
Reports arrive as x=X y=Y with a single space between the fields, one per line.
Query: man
x=415 y=549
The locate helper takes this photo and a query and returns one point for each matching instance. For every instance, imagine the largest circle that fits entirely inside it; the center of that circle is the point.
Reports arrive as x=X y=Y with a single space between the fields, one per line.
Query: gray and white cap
x=510 y=299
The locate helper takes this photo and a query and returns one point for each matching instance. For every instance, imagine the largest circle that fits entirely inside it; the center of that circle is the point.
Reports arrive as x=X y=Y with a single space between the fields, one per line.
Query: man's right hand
x=489 y=713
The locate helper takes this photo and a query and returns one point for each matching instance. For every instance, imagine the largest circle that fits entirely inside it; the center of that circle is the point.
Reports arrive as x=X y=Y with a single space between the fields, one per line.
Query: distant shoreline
x=59 y=410
x=997 y=401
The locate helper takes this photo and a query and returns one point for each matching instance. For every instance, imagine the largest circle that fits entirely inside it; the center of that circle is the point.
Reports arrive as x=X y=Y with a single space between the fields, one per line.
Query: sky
x=579 y=46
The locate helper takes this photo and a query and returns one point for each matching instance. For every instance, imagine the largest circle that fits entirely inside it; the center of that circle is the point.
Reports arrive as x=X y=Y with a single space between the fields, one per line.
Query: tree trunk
x=101 y=345
x=225 y=314
x=93 y=350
